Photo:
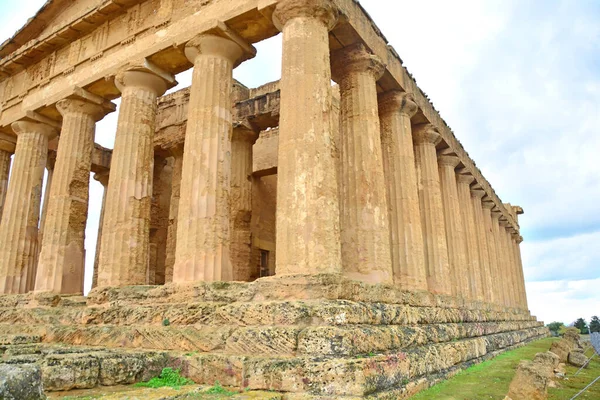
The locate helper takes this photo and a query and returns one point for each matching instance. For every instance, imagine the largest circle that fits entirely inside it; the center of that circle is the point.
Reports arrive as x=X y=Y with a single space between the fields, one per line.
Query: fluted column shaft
x=62 y=258
x=496 y=288
x=432 y=211
x=50 y=164
x=518 y=241
x=513 y=235
x=125 y=232
x=177 y=154
x=507 y=269
x=308 y=229
x=500 y=275
x=455 y=231
x=241 y=202
x=159 y=221
x=406 y=235
x=472 y=244
x=7 y=149
x=364 y=219
x=484 y=257
x=101 y=177
x=19 y=226
x=203 y=230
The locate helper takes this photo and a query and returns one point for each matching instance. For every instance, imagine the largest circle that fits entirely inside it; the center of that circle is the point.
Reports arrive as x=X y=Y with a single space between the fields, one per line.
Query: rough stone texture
x=177 y=154
x=484 y=257
x=21 y=382
x=532 y=378
x=101 y=177
x=432 y=212
x=364 y=222
x=125 y=232
x=406 y=235
x=496 y=230
x=507 y=264
x=308 y=230
x=241 y=203
x=496 y=277
x=7 y=149
x=20 y=217
x=62 y=257
x=203 y=228
x=577 y=358
x=159 y=219
x=455 y=231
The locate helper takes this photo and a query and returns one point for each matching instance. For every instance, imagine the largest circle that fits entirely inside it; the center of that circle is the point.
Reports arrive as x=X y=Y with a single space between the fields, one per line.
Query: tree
x=595 y=324
x=555 y=327
x=582 y=326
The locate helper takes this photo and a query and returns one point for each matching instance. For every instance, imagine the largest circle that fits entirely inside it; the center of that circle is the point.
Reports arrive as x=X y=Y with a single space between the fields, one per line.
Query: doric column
x=50 y=164
x=518 y=241
x=506 y=260
x=455 y=231
x=432 y=212
x=7 y=149
x=125 y=233
x=101 y=177
x=472 y=244
x=241 y=202
x=62 y=258
x=492 y=252
x=519 y=284
x=203 y=231
x=500 y=278
x=406 y=235
x=308 y=234
x=159 y=219
x=177 y=154
x=364 y=223
x=482 y=245
x=19 y=226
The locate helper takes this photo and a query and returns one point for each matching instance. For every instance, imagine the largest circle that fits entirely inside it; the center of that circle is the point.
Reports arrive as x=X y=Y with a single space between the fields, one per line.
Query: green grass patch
x=491 y=379
x=169 y=377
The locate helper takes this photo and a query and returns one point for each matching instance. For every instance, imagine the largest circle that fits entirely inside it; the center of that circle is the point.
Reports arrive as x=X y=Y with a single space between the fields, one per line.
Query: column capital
x=397 y=101
x=503 y=222
x=145 y=75
x=488 y=205
x=102 y=177
x=477 y=193
x=24 y=126
x=7 y=143
x=322 y=10
x=426 y=133
x=77 y=106
x=355 y=59
x=465 y=178
x=448 y=159
x=519 y=239
x=220 y=42
x=496 y=213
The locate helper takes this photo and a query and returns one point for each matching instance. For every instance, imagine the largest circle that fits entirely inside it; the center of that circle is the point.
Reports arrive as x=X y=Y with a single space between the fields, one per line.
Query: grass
x=491 y=379
x=169 y=377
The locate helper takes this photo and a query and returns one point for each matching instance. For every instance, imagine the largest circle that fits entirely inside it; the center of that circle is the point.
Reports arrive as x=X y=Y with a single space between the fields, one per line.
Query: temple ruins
x=305 y=237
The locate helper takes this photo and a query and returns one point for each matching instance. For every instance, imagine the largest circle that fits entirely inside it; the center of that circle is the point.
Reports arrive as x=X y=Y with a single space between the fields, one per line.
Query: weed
x=166 y=322
x=168 y=378
x=218 y=389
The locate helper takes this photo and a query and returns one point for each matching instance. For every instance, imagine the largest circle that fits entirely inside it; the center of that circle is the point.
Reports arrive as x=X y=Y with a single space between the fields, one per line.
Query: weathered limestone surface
x=496 y=279
x=203 y=231
x=125 y=233
x=177 y=154
x=241 y=202
x=308 y=230
x=159 y=219
x=7 y=149
x=432 y=212
x=364 y=222
x=62 y=257
x=518 y=242
x=20 y=217
x=406 y=235
x=455 y=232
x=468 y=216
x=101 y=177
x=484 y=257
x=506 y=263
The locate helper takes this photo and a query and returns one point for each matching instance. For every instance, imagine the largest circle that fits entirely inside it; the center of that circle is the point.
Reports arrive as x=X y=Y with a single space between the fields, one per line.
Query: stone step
x=17 y=339
x=346 y=340
x=331 y=312
x=78 y=367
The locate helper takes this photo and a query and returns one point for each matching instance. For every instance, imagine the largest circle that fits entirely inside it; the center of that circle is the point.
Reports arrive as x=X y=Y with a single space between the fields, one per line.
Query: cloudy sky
x=519 y=83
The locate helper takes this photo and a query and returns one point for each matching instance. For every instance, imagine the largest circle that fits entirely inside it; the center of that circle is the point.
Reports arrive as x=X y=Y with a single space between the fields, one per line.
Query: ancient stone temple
x=309 y=238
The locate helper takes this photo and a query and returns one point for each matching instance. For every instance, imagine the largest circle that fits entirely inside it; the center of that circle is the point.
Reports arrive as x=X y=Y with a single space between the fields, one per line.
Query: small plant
x=218 y=389
x=166 y=322
x=169 y=377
